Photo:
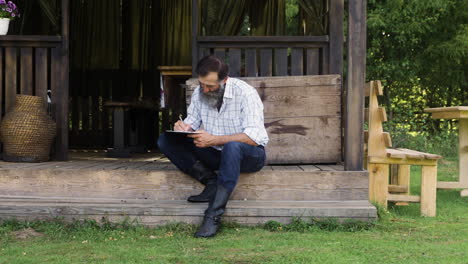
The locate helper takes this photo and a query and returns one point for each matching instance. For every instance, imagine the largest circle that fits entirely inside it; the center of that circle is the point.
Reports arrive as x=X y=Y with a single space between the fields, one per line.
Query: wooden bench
x=379 y=156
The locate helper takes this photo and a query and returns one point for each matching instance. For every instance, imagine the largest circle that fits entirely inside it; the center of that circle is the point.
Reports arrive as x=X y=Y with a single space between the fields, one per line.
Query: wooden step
x=171 y=184
x=153 y=213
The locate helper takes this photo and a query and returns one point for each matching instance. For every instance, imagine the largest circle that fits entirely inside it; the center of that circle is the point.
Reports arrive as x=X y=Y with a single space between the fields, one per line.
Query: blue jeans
x=234 y=158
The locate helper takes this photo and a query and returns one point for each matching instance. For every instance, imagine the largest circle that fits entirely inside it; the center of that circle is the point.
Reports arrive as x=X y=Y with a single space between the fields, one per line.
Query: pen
x=180 y=118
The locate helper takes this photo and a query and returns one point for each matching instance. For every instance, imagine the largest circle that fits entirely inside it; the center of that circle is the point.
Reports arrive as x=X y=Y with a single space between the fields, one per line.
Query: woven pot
x=27 y=131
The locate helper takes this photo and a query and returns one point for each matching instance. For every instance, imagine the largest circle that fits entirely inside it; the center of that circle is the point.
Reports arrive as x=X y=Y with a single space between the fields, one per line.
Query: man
x=232 y=141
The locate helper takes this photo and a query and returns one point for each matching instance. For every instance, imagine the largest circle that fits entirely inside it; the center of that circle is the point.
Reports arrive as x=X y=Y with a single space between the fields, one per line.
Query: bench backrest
x=302 y=117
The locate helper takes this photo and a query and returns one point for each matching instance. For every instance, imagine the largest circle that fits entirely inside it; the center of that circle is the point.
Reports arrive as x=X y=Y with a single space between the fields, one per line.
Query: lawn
x=400 y=236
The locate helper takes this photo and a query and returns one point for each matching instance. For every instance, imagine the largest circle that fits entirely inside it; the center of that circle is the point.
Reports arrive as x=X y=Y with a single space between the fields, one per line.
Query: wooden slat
x=376 y=85
x=194 y=35
x=297 y=61
x=251 y=62
x=426 y=155
x=234 y=62
x=396 y=154
x=398 y=188
x=309 y=168
x=10 y=77
x=404 y=198
x=266 y=62
x=220 y=53
x=325 y=57
x=26 y=71
x=281 y=62
x=41 y=85
x=312 y=62
x=336 y=15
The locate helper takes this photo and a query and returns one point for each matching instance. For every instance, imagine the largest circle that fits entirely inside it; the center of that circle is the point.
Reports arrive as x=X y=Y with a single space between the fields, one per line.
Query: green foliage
x=420 y=50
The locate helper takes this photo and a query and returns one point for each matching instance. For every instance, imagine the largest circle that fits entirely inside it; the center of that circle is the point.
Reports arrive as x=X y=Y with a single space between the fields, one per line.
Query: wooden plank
x=297 y=140
x=266 y=62
x=353 y=150
x=309 y=168
x=420 y=154
x=325 y=59
x=10 y=77
x=150 y=213
x=378 y=183
x=72 y=181
x=404 y=198
x=428 y=190
x=220 y=53
x=464 y=193
x=336 y=15
x=41 y=80
x=251 y=68
x=297 y=61
x=450 y=185
x=281 y=62
x=398 y=189
x=26 y=71
x=234 y=62
x=283 y=81
x=395 y=154
x=286 y=168
x=59 y=92
x=301 y=101
x=325 y=168
x=312 y=62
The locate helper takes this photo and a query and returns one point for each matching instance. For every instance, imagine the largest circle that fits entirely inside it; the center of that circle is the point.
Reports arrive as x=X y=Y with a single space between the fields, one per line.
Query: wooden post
x=404 y=176
x=195 y=27
x=428 y=190
x=378 y=183
x=61 y=87
x=354 y=114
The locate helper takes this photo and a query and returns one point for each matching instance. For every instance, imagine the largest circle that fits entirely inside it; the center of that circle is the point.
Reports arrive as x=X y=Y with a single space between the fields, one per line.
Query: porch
x=149 y=189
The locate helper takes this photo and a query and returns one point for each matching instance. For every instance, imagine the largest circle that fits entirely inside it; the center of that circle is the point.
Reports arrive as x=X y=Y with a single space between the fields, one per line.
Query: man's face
x=212 y=89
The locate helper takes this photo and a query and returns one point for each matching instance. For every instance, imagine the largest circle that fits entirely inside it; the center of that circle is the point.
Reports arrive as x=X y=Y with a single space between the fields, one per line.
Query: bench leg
x=404 y=176
x=378 y=183
x=428 y=190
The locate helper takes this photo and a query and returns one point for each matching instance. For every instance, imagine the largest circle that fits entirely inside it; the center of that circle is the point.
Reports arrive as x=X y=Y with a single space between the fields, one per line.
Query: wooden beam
x=194 y=36
x=353 y=150
x=398 y=188
x=378 y=183
x=404 y=198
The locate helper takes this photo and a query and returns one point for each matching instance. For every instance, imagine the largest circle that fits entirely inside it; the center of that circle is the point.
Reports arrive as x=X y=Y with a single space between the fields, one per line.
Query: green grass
x=400 y=236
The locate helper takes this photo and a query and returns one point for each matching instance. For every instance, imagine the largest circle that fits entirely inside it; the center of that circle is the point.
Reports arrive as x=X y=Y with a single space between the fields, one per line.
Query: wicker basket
x=27 y=131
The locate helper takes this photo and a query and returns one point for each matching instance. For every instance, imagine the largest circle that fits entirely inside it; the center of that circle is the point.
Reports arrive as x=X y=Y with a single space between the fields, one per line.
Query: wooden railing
x=34 y=65
x=269 y=56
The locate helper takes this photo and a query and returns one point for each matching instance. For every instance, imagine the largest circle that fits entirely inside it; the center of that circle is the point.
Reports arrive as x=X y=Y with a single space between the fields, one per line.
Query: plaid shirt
x=241 y=112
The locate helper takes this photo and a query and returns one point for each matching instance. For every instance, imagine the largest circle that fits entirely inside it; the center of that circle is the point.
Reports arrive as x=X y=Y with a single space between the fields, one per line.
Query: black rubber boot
x=207 y=177
x=212 y=219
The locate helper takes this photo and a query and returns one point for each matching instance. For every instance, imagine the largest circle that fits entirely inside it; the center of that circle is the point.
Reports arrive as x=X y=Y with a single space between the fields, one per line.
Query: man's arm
x=205 y=139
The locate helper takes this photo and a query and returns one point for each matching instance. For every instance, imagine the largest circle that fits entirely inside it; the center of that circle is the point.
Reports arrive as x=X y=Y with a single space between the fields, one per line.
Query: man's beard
x=214 y=98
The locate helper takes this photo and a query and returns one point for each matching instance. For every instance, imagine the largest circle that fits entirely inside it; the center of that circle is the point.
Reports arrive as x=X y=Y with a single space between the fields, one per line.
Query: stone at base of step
x=158 y=212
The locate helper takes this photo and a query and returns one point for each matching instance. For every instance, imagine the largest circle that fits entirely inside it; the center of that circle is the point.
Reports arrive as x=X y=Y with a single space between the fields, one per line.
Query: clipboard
x=183 y=132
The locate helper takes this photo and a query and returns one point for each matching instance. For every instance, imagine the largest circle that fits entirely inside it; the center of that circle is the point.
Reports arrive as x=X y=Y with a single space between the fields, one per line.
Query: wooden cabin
x=328 y=181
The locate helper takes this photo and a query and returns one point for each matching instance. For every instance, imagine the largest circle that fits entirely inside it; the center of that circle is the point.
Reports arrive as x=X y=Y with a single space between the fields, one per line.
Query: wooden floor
x=97 y=160
x=151 y=190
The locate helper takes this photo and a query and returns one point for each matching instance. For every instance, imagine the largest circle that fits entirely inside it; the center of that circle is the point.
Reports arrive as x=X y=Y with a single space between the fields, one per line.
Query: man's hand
x=204 y=139
x=181 y=126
